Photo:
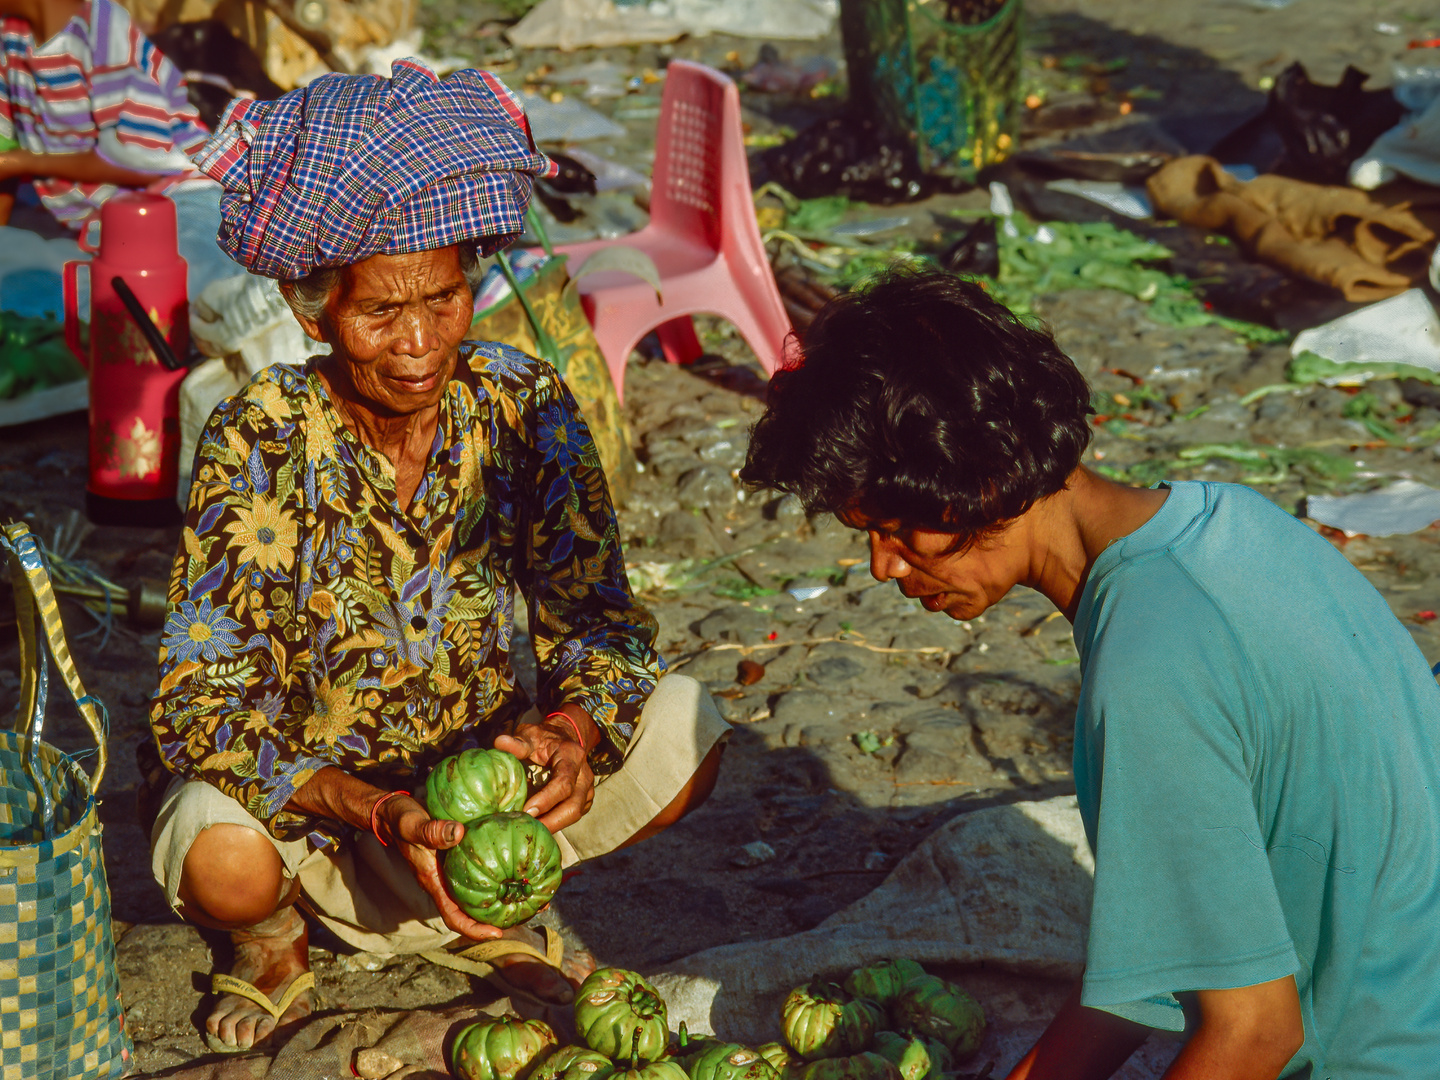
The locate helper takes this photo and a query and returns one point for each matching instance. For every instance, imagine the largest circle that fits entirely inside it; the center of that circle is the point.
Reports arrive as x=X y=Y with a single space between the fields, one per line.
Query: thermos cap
x=138 y=229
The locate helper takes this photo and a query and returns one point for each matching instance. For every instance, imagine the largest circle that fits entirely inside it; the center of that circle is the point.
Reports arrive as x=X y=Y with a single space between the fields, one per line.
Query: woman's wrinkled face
x=395 y=324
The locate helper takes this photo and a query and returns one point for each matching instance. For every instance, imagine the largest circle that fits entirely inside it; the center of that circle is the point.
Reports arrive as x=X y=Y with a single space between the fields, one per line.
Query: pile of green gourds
x=891 y=1021
x=508 y=865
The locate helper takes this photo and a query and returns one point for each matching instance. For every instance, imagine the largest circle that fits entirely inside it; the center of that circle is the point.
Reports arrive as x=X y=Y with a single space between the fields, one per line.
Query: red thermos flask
x=134 y=397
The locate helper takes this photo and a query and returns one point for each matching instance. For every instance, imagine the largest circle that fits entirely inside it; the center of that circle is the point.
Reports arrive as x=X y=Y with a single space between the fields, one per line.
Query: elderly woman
x=360 y=529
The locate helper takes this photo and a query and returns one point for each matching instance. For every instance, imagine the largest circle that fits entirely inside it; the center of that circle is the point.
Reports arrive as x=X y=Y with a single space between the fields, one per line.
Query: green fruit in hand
x=777 y=1054
x=505 y=869
x=474 y=784
x=933 y=1008
x=730 y=1061
x=884 y=981
x=506 y=1048
x=821 y=1020
x=916 y=1058
x=574 y=1063
x=663 y=1069
x=858 y=1067
x=618 y=1013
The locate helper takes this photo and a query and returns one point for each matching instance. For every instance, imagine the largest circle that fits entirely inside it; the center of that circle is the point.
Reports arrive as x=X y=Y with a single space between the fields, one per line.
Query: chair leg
x=757 y=334
x=678 y=340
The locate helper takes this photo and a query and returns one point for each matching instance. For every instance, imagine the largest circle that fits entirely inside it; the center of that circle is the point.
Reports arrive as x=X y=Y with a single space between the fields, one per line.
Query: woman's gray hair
x=307 y=296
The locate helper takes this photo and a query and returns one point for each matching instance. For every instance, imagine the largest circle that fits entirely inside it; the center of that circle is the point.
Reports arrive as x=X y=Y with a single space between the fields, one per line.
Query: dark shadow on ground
x=1159 y=77
x=682 y=892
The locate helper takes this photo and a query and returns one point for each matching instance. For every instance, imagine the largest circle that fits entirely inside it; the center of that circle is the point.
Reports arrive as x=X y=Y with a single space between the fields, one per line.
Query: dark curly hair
x=922 y=400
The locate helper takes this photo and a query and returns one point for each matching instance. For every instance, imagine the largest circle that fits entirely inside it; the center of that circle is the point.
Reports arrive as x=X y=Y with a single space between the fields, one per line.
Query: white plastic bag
x=1410 y=149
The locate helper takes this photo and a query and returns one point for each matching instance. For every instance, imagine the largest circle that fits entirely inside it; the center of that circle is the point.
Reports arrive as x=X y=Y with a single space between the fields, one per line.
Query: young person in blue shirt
x=1257 y=748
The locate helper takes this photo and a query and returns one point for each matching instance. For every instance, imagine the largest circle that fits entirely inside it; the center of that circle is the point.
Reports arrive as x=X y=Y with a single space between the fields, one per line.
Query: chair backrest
x=697 y=106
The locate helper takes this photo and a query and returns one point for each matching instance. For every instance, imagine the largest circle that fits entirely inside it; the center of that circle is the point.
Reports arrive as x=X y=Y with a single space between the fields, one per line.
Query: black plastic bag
x=977 y=251
x=573 y=179
x=852 y=156
x=1323 y=128
x=216 y=64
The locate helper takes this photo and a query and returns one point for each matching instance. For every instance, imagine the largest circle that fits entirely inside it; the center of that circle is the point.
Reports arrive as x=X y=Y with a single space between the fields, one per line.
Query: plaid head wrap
x=356 y=165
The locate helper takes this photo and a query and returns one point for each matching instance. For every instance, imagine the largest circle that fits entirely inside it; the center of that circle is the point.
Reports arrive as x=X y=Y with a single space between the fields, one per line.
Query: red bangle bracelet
x=375 y=809
x=573 y=726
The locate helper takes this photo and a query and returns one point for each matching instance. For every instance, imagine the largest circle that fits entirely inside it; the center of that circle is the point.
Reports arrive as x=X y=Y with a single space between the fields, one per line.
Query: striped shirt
x=99 y=84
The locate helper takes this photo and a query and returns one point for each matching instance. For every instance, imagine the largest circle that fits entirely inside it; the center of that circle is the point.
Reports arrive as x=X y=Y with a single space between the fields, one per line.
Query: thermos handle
x=82 y=240
x=71 y=290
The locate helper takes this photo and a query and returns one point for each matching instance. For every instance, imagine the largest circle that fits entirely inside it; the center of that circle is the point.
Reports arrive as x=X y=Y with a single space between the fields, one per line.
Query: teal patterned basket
x=60 y=1011
x=942 y=73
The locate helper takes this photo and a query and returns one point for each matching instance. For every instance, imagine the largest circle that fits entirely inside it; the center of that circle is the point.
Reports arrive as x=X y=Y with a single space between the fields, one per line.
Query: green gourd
x=933 y=1008
x=475 y=784
x=821 y=1020
x=505 y=869
x=858 y=1067
x=506 y=1048
x=662 y=1069
x=777 y=1054
x=915 y=1057
x=730 y=1061
x=884 y=981
x=574 y=1063
x=619 y=1013
x=689 y=1047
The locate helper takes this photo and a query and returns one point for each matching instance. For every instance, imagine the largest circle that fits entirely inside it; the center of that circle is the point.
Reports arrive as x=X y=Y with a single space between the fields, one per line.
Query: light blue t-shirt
x=1257 y=758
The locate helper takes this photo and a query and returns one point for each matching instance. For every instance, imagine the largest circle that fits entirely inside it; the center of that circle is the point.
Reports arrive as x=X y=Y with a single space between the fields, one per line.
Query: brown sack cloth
x=1334 y=235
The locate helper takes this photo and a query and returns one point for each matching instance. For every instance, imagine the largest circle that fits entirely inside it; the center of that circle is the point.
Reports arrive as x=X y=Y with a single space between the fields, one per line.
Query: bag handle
x=537 y=226
x=35 y=597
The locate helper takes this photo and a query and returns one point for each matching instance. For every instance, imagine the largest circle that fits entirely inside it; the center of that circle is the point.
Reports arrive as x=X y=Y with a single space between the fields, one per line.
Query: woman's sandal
x=228 y=984
x=477 y=960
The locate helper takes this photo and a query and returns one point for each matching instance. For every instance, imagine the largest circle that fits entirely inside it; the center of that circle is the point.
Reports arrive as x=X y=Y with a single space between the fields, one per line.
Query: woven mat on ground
x=1369 y=246
x=997 y=899
x=1007 y=887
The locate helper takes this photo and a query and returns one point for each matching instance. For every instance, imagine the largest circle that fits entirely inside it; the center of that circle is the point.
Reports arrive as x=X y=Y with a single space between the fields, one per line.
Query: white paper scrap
x=1400 y=330
x=1403 y=507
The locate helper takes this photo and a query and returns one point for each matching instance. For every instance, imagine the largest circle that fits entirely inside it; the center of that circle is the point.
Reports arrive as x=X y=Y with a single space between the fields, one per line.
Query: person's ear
x=312 y=327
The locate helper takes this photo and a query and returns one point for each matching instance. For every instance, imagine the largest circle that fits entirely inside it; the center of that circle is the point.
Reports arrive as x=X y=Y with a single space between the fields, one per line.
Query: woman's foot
x=542 y=980
x=269 y=956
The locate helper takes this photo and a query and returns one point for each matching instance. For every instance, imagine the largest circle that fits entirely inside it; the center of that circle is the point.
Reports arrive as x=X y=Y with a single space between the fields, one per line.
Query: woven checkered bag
x=60 y=1011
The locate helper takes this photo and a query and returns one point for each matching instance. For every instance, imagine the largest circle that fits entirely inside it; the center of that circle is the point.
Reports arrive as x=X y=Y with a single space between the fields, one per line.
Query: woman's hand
x=552 y=744
x=405 y=823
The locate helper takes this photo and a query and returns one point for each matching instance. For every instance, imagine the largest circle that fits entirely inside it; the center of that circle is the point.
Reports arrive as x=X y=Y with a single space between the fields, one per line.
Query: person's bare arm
x=88 y=167
x=336 y=795
x=1080 y=1044
x=1249 y=1033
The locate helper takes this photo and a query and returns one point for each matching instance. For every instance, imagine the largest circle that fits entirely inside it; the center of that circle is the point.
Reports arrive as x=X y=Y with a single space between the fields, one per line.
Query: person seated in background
x=1257 y=740
x=88 y=107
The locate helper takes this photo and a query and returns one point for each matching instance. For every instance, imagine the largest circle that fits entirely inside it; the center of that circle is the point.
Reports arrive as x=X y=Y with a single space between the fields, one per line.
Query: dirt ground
x=873 y=721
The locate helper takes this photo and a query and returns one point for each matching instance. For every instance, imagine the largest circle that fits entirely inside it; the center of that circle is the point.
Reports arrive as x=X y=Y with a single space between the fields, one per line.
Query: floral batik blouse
x=315 y=622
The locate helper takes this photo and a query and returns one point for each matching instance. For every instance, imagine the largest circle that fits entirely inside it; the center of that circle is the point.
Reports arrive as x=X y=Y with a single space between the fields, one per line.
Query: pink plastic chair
x=702 y=235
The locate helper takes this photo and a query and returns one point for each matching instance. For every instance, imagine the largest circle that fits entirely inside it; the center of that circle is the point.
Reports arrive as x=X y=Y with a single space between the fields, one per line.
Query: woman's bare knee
x=232 y=877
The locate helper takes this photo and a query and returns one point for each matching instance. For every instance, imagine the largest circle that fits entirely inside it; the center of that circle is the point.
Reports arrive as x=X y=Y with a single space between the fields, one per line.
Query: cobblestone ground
x=861 y=722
